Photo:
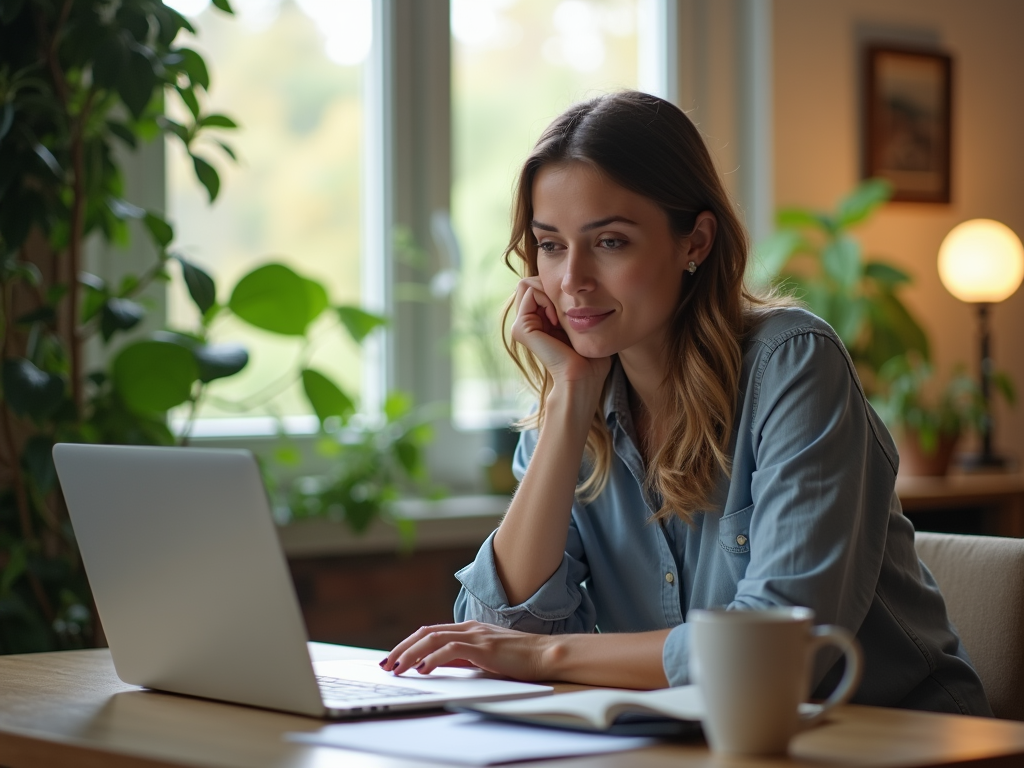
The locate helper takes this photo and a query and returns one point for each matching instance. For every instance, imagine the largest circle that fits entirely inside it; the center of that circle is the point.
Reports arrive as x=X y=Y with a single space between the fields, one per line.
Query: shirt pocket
x=734 y=531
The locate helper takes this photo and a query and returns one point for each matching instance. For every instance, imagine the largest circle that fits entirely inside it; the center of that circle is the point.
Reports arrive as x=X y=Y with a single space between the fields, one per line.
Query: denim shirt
x=809 y=517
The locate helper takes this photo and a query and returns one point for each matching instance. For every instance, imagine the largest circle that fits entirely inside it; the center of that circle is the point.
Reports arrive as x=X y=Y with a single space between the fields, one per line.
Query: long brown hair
x=648 y=146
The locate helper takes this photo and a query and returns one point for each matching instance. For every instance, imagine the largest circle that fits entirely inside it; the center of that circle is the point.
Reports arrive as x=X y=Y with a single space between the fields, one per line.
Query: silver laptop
x=195 y=595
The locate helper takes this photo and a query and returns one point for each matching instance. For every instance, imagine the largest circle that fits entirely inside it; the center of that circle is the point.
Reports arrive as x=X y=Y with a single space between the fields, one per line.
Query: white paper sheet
x=465 y=740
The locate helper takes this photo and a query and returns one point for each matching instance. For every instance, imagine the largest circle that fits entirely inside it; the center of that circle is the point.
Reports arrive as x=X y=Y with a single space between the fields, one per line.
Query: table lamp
x=981 y=262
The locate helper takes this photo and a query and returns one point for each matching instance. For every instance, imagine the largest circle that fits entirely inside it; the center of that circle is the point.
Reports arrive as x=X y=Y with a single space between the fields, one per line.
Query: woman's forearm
x=530 y=542
x=614 y=660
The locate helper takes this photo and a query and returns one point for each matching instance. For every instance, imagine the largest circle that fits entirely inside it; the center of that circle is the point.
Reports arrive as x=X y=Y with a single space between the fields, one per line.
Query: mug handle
x=832 y=635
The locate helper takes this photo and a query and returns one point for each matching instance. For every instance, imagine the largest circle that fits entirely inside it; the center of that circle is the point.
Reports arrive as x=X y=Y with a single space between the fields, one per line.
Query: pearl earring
x=692 y=267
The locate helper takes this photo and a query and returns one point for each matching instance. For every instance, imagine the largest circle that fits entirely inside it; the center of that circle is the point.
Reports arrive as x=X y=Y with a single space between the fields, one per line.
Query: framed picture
x=907 y=116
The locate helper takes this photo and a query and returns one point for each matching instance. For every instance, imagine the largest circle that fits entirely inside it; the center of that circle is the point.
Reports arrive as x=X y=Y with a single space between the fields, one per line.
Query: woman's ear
x=697 y=245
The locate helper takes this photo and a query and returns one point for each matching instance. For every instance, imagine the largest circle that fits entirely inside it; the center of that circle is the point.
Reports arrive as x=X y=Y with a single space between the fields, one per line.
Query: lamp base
x=979 y=462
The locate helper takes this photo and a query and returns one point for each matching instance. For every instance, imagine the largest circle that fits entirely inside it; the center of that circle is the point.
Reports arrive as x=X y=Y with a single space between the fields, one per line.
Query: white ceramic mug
x=754 y=670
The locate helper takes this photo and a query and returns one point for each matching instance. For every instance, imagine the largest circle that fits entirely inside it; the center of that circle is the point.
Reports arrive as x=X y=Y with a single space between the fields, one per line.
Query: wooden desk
x=1002 y=496
x=69 y=709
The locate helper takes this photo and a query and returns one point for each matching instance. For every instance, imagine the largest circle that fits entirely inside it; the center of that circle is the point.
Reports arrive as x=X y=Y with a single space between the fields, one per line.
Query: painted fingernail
x=384 y=661
x=421 y=665
x=397 y=665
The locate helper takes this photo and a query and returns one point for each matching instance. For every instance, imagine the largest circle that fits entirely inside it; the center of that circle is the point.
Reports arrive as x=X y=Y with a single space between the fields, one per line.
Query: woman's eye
x=611 y=242
x=547 y=247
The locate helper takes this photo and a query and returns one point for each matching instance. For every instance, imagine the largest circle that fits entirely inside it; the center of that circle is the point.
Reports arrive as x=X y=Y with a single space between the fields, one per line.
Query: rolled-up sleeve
x=560 y=605
x=821 y=487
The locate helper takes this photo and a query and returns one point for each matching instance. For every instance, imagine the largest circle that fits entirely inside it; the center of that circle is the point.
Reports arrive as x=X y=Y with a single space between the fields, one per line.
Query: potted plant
x=927 y=417
x=814 y=256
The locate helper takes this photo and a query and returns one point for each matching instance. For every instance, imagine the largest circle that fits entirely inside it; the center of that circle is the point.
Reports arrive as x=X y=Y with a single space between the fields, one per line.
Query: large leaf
x=218 y=361
x=195 y=67
x=358 y=322
x=120 y=315
x=153 y=376
x=325 y=396
x=44 y=314
x=318 y=300
x=111 y=59
x=772 y=254
x=123 y=132
x=137 y=83
x=29 y=390
x=863 y=201
x=803 y=217
x=207 y=176
x=200 y=285
x=188 y=96
x=276 y=299
x=95 y=295
x=216 y=121
x=893 y=331
x=886 y=274
x=161 y=231
x=813 y=293
x=396 y=405
x=410 y=456
x=841 y=261
x=846 y=316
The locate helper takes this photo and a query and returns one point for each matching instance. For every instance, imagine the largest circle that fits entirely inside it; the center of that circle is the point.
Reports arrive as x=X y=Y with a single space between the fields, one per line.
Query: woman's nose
x=578 y=276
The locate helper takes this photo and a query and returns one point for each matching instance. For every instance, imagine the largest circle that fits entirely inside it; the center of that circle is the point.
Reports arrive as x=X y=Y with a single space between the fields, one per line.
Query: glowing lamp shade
x=981 y=261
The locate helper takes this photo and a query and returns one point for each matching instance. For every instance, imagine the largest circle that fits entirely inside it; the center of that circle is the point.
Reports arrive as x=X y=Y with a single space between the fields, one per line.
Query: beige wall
x=817 y=143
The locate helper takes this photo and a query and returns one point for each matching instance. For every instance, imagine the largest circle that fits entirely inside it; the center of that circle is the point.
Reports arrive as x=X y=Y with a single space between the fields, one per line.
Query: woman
x=693 y=446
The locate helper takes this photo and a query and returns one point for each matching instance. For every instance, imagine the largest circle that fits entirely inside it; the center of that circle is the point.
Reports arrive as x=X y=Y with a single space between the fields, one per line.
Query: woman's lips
x=583 y=318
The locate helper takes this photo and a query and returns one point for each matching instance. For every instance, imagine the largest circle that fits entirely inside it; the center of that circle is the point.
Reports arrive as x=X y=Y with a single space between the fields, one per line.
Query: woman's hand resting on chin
x=536 y=327
x=505 y=652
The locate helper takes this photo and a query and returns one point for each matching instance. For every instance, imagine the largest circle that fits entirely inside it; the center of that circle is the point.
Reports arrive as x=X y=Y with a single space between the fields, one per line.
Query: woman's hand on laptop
x=501 y=651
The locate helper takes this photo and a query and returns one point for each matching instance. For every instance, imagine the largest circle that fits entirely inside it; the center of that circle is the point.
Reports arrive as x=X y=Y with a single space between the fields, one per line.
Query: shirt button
x=741 y=539
x=669 y=577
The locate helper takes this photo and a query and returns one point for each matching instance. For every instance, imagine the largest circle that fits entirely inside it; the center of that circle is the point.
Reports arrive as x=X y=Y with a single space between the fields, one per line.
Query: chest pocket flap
x=734 y=531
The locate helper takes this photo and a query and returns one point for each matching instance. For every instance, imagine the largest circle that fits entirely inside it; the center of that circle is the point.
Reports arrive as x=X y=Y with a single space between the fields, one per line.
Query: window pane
x=290 y=73
x=516 y=65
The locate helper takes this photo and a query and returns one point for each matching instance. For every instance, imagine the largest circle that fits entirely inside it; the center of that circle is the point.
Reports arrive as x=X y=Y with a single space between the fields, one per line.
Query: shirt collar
x=616 y=396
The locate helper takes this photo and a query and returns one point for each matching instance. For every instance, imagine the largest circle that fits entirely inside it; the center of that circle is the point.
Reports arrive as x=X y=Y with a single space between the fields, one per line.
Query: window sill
x=458 y=521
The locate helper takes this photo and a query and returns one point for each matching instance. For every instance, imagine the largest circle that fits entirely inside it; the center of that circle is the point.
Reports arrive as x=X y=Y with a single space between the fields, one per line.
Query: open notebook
x=666 y=712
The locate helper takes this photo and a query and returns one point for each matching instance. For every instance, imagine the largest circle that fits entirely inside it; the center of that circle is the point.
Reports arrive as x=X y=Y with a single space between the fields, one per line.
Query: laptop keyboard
x=352 y=690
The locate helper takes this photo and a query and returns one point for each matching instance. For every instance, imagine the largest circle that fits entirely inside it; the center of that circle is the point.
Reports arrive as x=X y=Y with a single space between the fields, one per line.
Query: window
x=343 y=145
x=516 y=64
x=290 y=71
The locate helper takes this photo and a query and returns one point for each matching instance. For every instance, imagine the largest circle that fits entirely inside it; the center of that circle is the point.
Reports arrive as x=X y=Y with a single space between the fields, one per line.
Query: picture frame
x=907 y=117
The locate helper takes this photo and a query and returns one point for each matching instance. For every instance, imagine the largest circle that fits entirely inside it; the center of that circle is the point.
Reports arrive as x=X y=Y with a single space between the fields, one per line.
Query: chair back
x=982 y=580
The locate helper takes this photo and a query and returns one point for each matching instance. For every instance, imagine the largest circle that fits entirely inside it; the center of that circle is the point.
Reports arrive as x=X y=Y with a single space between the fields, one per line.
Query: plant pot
x=915 y=462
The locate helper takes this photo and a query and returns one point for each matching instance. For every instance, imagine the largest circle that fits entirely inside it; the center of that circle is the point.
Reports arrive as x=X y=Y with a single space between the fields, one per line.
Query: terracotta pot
x=914 y=461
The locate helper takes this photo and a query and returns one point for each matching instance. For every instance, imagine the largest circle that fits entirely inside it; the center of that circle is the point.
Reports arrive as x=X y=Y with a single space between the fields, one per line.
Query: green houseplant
x=929 y=417
x=76 y=78
x=814 y=255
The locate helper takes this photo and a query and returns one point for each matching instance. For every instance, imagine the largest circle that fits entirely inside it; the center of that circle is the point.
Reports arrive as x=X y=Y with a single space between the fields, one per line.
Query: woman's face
x=607 y=258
